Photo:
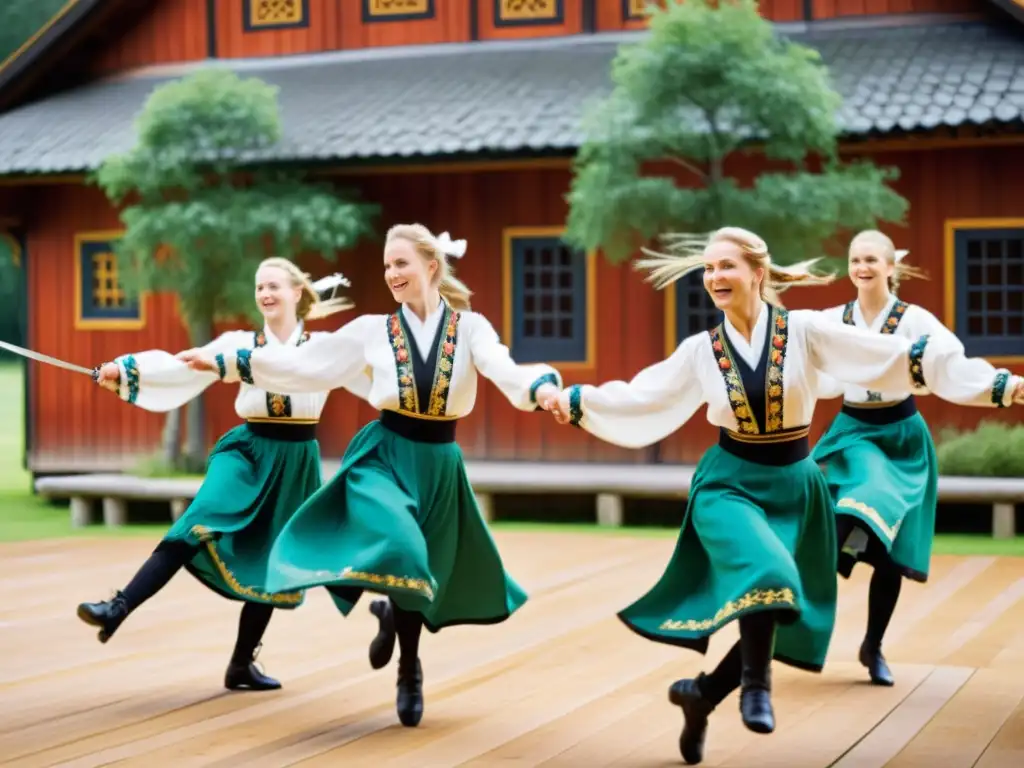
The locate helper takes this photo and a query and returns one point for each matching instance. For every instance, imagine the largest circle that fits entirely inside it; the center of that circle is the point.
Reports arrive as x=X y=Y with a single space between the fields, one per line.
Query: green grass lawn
x=26 y=517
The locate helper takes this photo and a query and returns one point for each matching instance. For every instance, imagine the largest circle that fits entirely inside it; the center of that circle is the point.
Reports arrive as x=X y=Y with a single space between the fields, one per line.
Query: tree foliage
x=709 y=82
x=202 y=206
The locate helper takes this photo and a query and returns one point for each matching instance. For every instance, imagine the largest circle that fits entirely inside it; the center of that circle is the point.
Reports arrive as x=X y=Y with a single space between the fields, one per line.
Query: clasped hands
x=555 y=402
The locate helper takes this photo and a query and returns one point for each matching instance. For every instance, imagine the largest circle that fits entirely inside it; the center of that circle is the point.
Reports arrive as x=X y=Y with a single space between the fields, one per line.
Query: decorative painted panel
x=275 y=14
x=101 y=302
x=517 y=13
x=633 y=10
x=397 y=10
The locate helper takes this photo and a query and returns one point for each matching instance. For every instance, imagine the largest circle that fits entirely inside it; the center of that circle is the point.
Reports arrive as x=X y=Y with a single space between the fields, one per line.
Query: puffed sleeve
x=157 y=381
x=519 y=383
x=648 y=408
x=933 y=362
x=331 y=361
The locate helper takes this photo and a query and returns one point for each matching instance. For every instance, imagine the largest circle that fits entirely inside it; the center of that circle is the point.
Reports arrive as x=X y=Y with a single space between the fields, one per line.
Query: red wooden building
x=464 y=114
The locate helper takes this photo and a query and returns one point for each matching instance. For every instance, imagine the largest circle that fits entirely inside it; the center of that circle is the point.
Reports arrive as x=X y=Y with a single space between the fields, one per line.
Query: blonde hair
x=432 y=248
x=311 y=306
x=901 y=270
x=685 y=253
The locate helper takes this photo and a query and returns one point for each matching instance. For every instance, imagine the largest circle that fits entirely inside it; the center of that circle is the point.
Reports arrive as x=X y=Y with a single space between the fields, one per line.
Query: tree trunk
x=201 y=332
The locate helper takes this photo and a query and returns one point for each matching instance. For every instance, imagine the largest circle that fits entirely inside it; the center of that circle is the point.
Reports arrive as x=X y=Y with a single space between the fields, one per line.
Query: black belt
x=880 y=415
x=419 y=430
x=284 y=429
x=775 y=449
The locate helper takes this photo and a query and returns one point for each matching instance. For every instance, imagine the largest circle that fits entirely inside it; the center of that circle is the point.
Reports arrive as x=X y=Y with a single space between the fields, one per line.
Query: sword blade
x=44 y=358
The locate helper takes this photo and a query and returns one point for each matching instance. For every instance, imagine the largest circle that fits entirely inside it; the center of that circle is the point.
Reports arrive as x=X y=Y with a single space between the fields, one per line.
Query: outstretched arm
x=325 y=362
x=934 y=362
x=527 y=386
x=157 y=381
x=648 y=408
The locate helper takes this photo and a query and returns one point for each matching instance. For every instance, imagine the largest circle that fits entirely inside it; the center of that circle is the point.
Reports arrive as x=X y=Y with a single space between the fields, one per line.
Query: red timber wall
x=180 y=30
x=73 y=421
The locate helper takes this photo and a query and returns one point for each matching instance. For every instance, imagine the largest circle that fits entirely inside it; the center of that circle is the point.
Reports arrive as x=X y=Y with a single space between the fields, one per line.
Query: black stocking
x=167 y=559
x=882 y=597
x=252 y=623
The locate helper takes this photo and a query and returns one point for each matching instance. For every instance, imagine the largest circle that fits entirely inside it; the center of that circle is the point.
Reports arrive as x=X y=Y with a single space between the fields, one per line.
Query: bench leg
x=115 y=512
x=1004 y=524
x=486 y=503
x=178 y=507
x=609 y=510
x=81 y=511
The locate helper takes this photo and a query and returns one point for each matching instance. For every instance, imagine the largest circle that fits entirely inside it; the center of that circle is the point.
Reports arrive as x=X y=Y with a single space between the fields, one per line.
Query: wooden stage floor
x=563 y=683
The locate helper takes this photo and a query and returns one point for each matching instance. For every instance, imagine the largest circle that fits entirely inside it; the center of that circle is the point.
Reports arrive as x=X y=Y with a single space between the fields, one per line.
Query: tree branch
x=703 y=176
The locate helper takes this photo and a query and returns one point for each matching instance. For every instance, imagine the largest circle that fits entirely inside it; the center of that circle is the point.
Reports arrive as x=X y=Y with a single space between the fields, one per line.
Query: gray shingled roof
x=522 y=97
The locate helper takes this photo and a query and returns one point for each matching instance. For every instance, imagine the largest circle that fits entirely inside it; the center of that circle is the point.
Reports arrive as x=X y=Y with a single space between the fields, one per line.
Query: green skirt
x=400 y=519
x=754 y=538
x=253 y=486
x=885 y=477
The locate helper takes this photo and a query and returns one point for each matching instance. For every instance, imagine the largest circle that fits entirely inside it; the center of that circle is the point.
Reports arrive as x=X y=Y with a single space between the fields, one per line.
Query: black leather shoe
x=687 y=695
x=877 y=666
x=383 y=645
x=756 y=709
x=107 y=615
x=246 y=676
x=409 y=701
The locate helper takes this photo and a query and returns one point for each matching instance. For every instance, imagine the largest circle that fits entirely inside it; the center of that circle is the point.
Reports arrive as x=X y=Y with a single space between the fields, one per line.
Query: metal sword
x=90 y=372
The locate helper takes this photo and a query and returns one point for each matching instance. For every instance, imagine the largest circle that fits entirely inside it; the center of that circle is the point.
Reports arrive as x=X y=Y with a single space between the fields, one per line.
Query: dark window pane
x=994 y=250
x=1015 y=277
x=973 y=250
x=529 y=303
x=547 y=328
x=546 y=257
x=974 y=325
x=995 y=325
x=565 y=328
x=529 y=258
x=974 y=275
x=565 y=257
x=530 y=327
x=974 y=301
x=565 y=280
x=546 y=279
x=529 y=280
x=1015 y=300
x=565 y=302
x=1015 y=249
x=1015 y=325
x=994 y=301
x=994 y=275
x=547 y=303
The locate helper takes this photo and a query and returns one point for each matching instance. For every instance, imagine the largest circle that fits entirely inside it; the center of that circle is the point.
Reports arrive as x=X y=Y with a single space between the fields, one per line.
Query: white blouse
x=807 y=350
x=157 y=381
x=372 y=357
x=897 y=318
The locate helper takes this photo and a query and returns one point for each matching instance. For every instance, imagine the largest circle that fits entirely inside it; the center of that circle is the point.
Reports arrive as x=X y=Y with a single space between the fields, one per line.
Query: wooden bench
x=609 y=483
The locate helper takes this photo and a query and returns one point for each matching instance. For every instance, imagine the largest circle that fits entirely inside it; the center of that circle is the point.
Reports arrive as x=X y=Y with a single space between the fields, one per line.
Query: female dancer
x=257 y=475
x=880 y=459
x=400 y=516
x=757 y=544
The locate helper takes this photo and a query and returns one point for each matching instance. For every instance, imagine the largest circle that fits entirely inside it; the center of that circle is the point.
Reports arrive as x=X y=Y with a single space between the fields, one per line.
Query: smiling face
x=868 y=266
x=406 y=272
x=276 y=294
x=728 y=276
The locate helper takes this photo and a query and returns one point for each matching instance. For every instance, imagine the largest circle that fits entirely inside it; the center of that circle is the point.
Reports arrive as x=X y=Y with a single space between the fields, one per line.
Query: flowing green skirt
x=886 y=477
x=253 y=486
x=754 y=538
x=401 y=519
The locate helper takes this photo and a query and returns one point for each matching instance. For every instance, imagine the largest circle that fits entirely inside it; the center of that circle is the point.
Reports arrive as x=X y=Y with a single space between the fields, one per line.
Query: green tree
x=712 y=81
x=203 y=206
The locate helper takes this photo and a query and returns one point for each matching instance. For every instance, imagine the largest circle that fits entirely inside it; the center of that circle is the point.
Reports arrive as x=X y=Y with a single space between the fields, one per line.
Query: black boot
x=878 y=669
x=687 y=695
x=757 y=636
x=382 y=647
x=244 y=675
x=409 y=699
x=108 y=615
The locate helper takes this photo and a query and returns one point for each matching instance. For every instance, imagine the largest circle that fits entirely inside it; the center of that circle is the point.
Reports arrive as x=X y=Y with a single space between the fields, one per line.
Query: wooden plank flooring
x=563 y=683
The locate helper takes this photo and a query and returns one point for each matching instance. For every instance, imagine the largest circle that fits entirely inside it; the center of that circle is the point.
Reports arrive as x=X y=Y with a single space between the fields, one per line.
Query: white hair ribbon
x=331 y=282
x=900 y=255
x=454 y=248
